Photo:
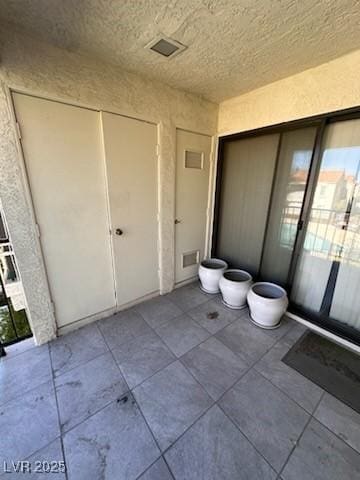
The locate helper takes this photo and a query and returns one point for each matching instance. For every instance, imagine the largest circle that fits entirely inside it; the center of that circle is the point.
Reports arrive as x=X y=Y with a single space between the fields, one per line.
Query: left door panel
x=64 y=159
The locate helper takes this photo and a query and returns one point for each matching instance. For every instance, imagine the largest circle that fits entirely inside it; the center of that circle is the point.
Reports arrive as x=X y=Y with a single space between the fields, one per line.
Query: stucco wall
x=332 y=86
x=34 y=67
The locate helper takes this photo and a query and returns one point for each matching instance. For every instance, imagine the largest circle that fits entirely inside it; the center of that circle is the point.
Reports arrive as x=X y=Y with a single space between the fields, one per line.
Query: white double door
x=93 y=183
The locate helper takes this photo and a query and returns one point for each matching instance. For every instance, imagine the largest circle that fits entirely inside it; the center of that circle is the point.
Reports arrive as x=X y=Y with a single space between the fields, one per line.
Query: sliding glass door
x=327 y=278
x=288 y=211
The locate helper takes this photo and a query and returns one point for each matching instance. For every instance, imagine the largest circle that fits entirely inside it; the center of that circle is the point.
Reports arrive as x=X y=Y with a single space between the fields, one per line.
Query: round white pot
x=210 y=272
x=234 y=286
x=267 y=303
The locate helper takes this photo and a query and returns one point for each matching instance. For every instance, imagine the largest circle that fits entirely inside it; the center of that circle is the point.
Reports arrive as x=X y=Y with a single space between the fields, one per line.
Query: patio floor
x=177 y=387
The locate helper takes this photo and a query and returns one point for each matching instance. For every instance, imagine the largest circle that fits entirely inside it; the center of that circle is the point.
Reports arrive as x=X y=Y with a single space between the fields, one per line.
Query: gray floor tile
x=286 y=325
x=213 y=316
x=87 y=388
x=213 y=449
x=38 y=464
x=182 y=334
x=113 y=444
x=188 y=297
x=210 y=296
x=320 y=455
x=18 y=348
x=158 y=310
x=123 y=327
x=341 y=419
x=246 y=340
x=215 y=366
x=295 y=385
x=28 y=423
x=142 y=357
x=171 y=401
x=75 y=348
x=196 y=284
x=158 y=471
x=295 y=332
x=24 y=372
x=268 y=418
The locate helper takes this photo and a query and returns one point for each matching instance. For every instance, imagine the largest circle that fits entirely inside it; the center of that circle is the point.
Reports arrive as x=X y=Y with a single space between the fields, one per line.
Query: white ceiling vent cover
x=165 y=46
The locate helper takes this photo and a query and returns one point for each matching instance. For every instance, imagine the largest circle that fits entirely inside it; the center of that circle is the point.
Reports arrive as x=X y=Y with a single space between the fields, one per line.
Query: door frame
x=320 y=122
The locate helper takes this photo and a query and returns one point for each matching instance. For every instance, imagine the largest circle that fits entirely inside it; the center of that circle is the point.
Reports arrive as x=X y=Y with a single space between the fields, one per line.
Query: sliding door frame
x=319 y=122
x=309 y=193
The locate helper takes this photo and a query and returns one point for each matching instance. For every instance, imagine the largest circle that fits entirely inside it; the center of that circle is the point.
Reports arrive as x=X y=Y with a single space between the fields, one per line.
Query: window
x=4 y=237
x=8 y=268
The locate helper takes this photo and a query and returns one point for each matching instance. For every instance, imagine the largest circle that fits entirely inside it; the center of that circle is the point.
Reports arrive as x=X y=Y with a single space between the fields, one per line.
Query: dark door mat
x=330 y=366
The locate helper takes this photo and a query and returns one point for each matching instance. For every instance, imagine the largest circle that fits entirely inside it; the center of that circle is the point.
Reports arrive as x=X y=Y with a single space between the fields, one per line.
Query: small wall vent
x=194 y=159
x=190 y=258
x=165 y=46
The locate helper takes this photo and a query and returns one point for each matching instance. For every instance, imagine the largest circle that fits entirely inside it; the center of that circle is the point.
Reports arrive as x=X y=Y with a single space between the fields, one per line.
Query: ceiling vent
x=165 y=46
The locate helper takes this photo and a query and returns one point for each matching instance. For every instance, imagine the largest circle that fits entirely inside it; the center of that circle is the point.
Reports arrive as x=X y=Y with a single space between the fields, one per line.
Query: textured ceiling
x=234 y=46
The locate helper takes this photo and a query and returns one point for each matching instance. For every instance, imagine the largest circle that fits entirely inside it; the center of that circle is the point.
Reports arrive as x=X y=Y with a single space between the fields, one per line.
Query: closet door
x=192 y=191
x=132 y=170
x=63 y=154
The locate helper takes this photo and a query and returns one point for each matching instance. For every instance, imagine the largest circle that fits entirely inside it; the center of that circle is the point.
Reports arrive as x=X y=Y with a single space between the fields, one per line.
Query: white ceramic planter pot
x=267 y=303
x=234 y=286
x=210 y=272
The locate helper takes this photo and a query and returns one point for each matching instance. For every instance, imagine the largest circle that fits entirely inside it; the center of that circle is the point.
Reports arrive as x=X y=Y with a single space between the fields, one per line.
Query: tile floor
x=179 y=387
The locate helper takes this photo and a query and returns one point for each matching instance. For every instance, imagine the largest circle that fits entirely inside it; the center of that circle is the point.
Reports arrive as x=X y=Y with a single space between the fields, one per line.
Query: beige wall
x=34 y=67
x=329 y=87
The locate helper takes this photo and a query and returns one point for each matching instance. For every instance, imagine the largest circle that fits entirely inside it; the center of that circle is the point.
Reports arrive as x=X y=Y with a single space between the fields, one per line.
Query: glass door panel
x=327 y=278
x=286 y=204
x=247 y=176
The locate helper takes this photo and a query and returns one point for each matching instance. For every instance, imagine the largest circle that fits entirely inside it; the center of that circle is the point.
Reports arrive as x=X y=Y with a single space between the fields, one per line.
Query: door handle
x=177 y=221
x=118 y=231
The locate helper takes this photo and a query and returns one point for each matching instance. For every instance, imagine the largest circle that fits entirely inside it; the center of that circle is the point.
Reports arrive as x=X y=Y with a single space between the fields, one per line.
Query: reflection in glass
x=3 y=231
x=287 y=199
x=328 y=274
x=8 y=269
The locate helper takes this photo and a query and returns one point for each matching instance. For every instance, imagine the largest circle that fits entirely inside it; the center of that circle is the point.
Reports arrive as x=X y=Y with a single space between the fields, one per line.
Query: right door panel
x=132 y=169
x=327 y=280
